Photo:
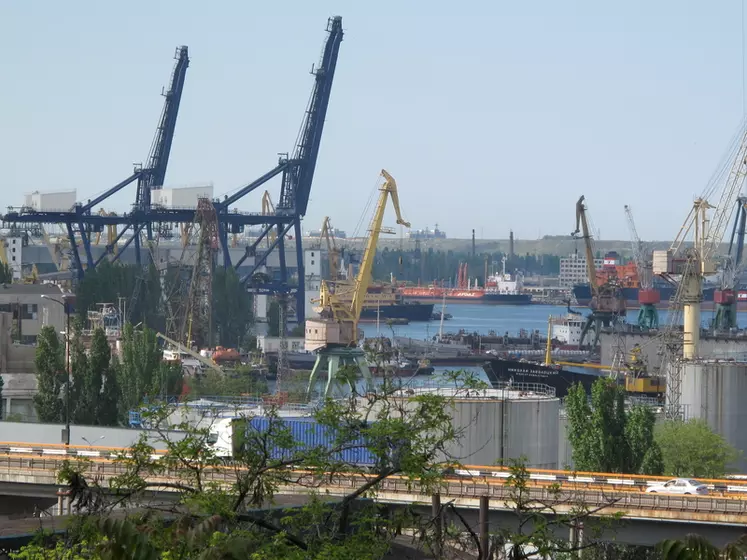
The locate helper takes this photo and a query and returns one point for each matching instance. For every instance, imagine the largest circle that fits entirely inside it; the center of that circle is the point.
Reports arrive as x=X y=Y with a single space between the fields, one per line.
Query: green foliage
x=234 y=383
x=141 y=371
x=693 y=449
x=607 y=438
x=58 y=550
x=232 y=308
x=218 y=510
x=425 y=266
x=110 y=281
x=695 y=547
x=95 y=393
x=50 y=375
x=6 y=274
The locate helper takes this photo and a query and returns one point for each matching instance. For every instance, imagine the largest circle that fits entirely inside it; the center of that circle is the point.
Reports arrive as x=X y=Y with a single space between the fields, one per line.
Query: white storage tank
x=181 y=197
x=51 y=201
x=503 y=424
x=716 y=392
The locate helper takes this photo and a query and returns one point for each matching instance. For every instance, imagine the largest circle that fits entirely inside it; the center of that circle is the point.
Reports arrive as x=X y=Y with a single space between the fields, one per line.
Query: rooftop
x=30 y=289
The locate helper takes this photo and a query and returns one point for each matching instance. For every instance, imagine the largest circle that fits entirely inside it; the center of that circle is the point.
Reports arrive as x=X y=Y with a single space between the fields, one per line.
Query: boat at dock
x=499 y=289
x=504 y=370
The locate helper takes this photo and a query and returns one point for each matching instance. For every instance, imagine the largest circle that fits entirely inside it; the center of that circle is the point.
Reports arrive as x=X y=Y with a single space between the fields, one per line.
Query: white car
x=679 y=486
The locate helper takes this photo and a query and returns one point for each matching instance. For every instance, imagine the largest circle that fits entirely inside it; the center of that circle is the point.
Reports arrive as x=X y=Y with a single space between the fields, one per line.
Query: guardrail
x=617 y=499
x=622 y=482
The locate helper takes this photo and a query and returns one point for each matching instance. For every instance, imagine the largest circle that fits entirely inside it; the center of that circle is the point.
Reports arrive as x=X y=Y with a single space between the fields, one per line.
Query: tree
x=695 y=547
x=141 y=371
x=405 y=436
x=693 y=449
x=605 y=437
x=95 y=389
x=232 y=308
x=50 y=375
x=6 y=274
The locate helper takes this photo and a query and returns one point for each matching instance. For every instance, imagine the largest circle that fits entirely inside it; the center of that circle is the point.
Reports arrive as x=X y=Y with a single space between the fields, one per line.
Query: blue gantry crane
x=297 y=173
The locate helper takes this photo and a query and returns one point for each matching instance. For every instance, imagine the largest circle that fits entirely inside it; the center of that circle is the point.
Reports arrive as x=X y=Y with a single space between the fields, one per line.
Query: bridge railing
x=612 y=500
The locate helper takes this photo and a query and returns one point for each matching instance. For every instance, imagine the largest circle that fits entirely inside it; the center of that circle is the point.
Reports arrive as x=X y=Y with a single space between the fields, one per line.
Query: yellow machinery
x=335 y=335
x=637 y=378
x=333 y=254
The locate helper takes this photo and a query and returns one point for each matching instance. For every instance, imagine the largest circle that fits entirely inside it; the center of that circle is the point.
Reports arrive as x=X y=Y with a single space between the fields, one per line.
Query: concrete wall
x=18 y=395
x=496 y=429
x=717 y=392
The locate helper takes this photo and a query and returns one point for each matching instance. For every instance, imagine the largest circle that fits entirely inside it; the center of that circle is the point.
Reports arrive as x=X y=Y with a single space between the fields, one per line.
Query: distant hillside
x=549 y=245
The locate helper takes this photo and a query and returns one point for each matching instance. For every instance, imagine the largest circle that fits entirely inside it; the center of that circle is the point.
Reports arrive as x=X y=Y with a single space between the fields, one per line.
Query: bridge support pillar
x=484 y=525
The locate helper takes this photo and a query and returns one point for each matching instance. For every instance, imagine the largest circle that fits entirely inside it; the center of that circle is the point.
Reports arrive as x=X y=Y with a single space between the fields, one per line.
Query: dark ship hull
x=501 y=371
x=409 y=311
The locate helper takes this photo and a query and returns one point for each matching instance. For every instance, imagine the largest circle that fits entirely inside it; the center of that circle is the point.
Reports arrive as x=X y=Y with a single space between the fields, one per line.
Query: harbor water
x=501 y=319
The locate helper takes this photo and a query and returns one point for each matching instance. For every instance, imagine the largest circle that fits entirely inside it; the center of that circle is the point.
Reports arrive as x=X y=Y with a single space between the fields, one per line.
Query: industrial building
x=573 y=270
x=30 y=310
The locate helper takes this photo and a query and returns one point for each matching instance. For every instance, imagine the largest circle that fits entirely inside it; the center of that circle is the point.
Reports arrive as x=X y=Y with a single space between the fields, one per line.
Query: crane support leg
x=136 y=237
x=74 y=249
x=301 y=294
x=261 y=261
x=281 y=253
x=335 y=359
x=86 y=245
x=223 y=236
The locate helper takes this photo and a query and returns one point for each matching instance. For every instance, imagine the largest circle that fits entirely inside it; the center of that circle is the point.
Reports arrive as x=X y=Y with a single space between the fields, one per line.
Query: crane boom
x=582 y=225
x=343 y=329
x=363 y=280
x=729 y=196
x=204 y=361
x=639 y=252
x=154 y=175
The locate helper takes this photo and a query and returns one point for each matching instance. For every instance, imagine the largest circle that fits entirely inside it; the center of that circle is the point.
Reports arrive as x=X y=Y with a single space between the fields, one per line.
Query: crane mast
x=607 y=304
x=582 y=225
x=332 y=253
x=692 y=265
x=648 y=297
x=335 y=335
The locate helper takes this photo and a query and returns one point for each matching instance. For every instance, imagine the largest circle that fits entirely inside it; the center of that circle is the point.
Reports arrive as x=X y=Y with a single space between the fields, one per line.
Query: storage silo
x=503 y=424
x=716 y=391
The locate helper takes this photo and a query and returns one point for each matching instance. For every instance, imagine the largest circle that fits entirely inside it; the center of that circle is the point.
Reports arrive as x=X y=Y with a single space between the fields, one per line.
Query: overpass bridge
x=28 y=474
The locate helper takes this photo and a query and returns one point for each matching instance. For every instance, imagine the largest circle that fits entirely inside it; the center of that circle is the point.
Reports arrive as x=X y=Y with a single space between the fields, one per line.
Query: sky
x=491 y=115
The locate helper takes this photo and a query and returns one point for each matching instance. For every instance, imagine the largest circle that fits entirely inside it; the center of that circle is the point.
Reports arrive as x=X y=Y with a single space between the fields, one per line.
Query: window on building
x=29 y=311
x=312 y=263
x=312 y=253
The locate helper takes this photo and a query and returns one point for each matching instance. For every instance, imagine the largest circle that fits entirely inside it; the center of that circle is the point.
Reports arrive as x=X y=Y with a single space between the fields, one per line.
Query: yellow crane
x=335 y=335
x=333 y=254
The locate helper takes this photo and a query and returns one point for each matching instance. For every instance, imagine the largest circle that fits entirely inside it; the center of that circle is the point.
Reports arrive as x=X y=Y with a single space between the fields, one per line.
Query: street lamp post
x=66 y=434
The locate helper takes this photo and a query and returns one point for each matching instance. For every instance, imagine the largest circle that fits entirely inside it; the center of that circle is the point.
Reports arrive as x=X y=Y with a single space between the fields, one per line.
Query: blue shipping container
x=308 y=434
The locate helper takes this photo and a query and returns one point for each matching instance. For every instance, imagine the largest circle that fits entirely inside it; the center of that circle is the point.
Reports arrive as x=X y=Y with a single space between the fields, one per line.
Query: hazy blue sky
x=491 y=115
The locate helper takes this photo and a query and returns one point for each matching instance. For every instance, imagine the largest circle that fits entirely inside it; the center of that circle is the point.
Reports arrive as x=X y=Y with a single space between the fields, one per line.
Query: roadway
x=29 y=471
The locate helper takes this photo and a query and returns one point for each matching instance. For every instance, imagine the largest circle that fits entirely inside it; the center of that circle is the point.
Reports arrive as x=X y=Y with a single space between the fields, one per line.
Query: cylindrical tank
x=507 y=424
x=716 y=392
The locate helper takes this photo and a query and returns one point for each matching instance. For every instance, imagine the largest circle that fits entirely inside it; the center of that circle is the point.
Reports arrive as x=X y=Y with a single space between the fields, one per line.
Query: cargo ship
x=382 y=302
x=500 y=289
x=506 y=370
